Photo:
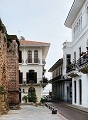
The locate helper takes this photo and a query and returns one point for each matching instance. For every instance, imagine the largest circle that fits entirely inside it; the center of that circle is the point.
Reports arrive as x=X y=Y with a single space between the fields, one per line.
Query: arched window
x=31 y=89
x=32 y=95
x=29 y=56
x=36 y=56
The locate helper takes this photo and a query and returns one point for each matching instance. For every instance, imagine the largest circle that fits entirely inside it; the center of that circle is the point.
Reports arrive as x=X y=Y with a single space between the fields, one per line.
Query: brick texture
x=13 y=73
x=9 y=73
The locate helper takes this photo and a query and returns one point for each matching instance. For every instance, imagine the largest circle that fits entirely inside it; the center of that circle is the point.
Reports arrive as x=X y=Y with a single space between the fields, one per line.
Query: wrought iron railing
x=30 y=81
x=33 y=60
x=70 y=67
x=83 y=60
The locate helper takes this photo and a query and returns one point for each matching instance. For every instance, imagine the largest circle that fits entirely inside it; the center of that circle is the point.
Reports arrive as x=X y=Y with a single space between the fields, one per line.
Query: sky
x=39 y=20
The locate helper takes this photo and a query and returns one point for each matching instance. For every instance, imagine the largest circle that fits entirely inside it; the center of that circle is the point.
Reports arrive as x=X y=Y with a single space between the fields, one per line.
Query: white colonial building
x=61 y=87
x=75 y=53
x=32 y=57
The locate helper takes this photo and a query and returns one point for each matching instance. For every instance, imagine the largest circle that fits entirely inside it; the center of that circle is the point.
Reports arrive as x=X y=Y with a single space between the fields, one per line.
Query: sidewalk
x=84 y=109
x=30 y=112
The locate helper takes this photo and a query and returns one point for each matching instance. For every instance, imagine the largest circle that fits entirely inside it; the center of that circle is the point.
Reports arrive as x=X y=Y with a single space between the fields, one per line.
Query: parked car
x=48 y=98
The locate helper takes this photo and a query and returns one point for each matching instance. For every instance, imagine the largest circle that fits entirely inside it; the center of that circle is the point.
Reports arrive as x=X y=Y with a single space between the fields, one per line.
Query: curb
x=76 y=108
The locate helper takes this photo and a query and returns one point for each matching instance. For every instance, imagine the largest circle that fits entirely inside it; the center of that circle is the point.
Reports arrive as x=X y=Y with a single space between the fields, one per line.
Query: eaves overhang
x=60 y=80
x=75 y=8
x=32 y=45
x=56 y=65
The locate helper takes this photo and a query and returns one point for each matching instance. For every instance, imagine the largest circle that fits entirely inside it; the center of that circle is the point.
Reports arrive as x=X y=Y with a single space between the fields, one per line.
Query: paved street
x=69 y=112
x=29 y=112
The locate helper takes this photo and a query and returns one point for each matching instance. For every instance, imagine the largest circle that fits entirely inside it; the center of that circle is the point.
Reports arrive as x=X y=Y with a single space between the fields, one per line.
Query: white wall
x=24 y=67
x=79 y=41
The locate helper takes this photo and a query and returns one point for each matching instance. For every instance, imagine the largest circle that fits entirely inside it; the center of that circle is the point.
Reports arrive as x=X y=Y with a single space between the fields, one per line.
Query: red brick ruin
x=9 y=71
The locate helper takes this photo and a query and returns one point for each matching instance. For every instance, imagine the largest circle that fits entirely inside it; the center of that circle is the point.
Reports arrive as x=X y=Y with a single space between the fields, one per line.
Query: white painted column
x=84 y=90
x=77 y=92
x=73 y=91
x=65 y=95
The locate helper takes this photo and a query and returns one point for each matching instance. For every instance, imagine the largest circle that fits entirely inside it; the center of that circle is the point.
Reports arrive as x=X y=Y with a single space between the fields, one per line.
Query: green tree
x=32 y=97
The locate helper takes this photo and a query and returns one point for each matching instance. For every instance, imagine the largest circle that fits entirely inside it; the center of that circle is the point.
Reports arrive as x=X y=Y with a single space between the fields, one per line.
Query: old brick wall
x=13 y=73
x=3 y=72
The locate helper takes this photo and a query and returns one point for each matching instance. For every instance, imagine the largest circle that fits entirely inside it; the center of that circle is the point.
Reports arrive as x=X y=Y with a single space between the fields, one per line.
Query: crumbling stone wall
x=9 y=70
x=13 y=72
x=3 y=73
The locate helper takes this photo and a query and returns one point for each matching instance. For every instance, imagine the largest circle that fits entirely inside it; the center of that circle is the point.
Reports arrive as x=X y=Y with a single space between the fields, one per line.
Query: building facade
x=32 y=57
x=75 y=60
x=61 y=87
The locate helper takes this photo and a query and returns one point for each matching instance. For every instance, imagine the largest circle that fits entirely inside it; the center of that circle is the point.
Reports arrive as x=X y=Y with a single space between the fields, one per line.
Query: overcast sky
x=38 y=20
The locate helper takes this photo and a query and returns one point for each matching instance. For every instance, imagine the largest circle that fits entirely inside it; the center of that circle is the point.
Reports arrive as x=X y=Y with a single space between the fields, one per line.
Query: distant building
x=61 y=87
x=32 y=57
x=75 y=53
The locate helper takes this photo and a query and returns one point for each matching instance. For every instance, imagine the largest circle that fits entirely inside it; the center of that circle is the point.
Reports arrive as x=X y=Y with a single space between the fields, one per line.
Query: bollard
x=49 y=106
x=46 y=104
x=54 y=111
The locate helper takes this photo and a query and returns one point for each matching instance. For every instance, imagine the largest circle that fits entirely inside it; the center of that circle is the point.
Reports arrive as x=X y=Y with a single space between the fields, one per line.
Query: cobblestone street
x=29 y=112
x=71 y=112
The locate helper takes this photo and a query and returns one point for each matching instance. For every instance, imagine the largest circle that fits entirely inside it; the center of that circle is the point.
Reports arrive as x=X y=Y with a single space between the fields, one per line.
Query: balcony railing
x=82 y=64
x=25 y=81
x=83 y=60
x=33 y=60
x=70 y=67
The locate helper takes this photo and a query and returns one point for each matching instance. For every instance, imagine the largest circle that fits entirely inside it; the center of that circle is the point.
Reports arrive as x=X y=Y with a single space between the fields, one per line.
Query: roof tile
x=25 y=42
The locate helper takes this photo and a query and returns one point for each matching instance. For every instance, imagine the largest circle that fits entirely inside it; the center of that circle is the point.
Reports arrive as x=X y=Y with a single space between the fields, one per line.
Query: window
x=77 y=27
x=31 y=76
x=74 y=91
x=36 y=56
x=74 y=57
x=79 y=51
x=29 y=56
x=60 y=70
x=80 y=91
x=81 y=24
x=23 y=90
x=74 y=32
x=20 y=56
x=31 y=94
x=87 y=13
x=20 y=77
x=68 y=59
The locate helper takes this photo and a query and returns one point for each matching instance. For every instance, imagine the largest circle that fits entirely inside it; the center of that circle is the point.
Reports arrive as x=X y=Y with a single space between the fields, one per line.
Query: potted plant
x=25 y=97
x=43 y=100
